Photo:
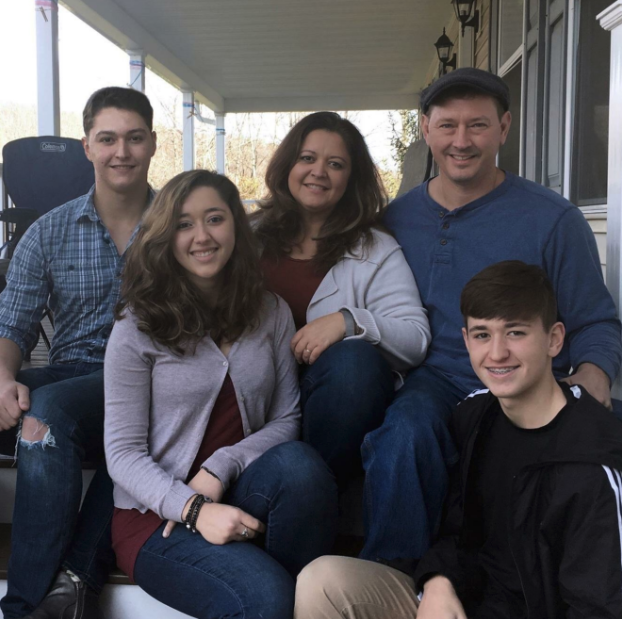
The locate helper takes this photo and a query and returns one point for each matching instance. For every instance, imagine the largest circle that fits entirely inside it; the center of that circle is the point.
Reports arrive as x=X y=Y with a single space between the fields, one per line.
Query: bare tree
x=251 y=141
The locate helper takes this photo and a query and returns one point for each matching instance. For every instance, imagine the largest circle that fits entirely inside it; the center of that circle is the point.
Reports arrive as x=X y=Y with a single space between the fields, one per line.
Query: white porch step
x=127 y=602
x=118 y=601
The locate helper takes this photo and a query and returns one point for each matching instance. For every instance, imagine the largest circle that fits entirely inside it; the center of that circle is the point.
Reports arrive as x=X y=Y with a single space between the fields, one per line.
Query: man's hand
x=594 y=380
x=440 y=601
x=204 y=484
x=14 y=401
x=316 y=336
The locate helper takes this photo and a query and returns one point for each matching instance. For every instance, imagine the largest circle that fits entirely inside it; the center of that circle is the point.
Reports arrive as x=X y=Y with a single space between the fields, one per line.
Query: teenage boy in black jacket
x=533 y=520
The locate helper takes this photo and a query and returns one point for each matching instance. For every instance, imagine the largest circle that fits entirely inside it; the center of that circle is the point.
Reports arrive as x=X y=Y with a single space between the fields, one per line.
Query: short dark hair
x=510 y=290
x=120 y=98
x=357 y=212
x=462 y=92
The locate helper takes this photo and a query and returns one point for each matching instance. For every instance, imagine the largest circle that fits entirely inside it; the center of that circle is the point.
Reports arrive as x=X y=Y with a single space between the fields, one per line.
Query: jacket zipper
x=520 y=577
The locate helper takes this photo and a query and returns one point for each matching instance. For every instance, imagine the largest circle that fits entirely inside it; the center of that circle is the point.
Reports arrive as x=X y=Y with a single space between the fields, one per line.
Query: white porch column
x=611 y=19
x=48 y=97
x=466 y=48
x=220 y=142
x=188 y=136
x=137 y=69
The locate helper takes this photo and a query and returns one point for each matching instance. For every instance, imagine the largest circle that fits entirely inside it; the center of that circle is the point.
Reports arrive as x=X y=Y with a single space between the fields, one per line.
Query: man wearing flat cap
x=472 y=215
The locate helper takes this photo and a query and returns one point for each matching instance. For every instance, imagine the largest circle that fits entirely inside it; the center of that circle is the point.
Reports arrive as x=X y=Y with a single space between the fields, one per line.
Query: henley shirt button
x=445 y=226
x=441 y=215
x=444 y=242
x=225 y=363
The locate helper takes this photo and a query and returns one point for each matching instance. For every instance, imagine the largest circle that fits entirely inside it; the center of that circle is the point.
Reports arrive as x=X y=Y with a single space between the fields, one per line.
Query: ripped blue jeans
x=49 y=529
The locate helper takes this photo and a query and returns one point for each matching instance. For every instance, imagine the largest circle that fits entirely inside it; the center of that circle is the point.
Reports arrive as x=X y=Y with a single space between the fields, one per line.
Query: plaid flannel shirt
x=67 y=261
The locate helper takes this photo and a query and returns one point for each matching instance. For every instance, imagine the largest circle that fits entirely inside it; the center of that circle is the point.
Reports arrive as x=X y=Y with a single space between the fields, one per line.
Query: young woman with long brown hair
x=201 y=416
x=355 y=302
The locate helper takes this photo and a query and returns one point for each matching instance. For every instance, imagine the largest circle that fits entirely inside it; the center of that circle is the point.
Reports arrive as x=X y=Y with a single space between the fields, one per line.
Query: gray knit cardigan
x=158 y=405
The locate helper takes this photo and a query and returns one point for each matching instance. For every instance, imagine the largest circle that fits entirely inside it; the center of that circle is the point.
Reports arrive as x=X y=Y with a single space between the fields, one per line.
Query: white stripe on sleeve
x=615 y=479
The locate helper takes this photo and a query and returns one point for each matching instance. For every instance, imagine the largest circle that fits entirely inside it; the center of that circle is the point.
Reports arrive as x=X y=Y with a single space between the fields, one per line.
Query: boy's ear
x=465 y=335
x=85 y=145
x=556 y=339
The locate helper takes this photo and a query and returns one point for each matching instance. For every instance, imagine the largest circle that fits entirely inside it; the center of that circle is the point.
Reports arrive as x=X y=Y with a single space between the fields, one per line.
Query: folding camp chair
x=39 y=174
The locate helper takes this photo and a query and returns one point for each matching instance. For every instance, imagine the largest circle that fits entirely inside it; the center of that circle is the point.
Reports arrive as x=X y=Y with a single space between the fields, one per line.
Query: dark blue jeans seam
x=368 y=455
x=192 y=567
x=84 y=575
x=67 y=533
x=307 y=385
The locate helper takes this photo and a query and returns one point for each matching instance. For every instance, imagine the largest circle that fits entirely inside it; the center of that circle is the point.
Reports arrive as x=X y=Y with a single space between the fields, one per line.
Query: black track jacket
x=566 y=524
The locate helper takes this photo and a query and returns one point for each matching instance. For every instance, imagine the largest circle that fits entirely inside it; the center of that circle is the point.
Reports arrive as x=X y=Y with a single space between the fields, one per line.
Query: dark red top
x=294 y=280
x=130 y=528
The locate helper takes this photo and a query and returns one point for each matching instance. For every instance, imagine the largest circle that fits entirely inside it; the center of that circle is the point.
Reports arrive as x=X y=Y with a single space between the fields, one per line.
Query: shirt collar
x=88 y=211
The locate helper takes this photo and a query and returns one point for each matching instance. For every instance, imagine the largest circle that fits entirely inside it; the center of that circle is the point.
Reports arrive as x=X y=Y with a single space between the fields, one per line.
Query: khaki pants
x=345 y=588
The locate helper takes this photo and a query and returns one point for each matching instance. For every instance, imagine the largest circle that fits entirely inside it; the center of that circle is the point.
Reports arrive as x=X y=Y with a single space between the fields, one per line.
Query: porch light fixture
x=465 y=14
x=443 y=49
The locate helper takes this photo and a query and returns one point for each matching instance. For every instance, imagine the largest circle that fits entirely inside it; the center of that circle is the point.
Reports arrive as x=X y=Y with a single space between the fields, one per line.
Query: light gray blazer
x=379 y=290
x=158 y=405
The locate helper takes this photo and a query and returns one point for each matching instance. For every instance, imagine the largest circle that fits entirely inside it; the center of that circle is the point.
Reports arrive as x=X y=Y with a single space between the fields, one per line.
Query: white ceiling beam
x=323 y=102
x=116 y=25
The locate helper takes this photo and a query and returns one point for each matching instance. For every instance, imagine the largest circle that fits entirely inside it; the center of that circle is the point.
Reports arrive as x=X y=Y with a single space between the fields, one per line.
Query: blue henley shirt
x=519 y=220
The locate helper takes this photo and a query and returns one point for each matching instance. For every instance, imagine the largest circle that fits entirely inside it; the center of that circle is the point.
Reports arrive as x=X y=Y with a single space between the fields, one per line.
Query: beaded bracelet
x=193 y=512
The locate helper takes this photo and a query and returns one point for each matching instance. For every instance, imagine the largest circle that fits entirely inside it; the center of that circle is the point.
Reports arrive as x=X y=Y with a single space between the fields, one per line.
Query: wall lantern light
x=465 y=14
x=443 y=49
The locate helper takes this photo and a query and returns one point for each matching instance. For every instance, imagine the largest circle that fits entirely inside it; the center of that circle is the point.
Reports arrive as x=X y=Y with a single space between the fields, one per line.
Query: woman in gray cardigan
x=202 y=414
x=359 y=318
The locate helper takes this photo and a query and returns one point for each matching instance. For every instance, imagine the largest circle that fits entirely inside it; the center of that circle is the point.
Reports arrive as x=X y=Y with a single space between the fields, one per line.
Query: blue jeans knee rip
x=48 y=439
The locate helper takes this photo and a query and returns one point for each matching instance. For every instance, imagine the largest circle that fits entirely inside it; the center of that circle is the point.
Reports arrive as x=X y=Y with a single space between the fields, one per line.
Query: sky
x=89 y=61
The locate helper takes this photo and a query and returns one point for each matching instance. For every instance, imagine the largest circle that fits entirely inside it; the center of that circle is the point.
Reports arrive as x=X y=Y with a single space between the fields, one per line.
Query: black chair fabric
x=41 y=173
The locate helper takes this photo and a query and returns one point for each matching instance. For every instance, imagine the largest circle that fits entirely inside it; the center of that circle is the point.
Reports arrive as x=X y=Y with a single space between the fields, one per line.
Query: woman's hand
x=204 y=484
x=316 y=336
x=220 y=524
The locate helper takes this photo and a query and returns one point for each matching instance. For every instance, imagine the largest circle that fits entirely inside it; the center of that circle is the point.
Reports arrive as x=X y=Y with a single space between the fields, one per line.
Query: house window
x=510 y=28
x=591 y=130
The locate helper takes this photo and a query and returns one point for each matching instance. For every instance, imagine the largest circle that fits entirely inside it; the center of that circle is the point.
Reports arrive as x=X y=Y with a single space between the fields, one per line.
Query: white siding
x=598 y=223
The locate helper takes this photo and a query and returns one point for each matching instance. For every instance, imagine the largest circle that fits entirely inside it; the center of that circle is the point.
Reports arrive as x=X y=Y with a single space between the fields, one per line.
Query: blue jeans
x=344 y=395
x=49 y=530
x=293 y=493
x=406 y=462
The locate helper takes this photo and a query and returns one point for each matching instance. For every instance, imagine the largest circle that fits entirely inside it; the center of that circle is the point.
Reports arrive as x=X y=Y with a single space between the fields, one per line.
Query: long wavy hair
x=156 y=288
x=279 y=221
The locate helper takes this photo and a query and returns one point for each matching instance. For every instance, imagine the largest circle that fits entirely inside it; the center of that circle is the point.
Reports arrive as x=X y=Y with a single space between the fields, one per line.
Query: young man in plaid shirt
x=70 y=260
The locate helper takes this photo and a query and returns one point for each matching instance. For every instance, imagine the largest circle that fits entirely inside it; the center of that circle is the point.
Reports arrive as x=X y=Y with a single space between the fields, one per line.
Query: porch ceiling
x=280 y=55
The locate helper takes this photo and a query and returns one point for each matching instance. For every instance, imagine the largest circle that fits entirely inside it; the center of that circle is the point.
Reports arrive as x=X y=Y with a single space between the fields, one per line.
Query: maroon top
x=130 y=528
x=294 y=280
